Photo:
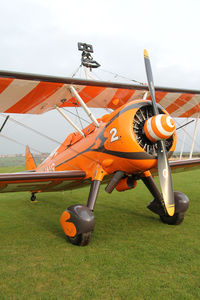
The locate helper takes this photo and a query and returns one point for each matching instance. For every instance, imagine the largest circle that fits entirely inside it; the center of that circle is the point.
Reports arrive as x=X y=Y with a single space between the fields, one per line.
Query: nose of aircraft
x=159 y=127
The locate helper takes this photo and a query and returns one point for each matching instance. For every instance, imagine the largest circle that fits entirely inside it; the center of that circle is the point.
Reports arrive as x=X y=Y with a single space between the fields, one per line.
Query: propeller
x=164 y=172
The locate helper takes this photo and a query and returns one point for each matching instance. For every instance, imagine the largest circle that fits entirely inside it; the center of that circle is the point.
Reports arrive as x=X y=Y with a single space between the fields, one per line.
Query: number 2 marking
x=114 y=136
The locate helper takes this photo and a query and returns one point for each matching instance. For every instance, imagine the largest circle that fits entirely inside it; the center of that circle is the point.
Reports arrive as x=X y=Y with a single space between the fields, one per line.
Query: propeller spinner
x=159 y=127
x=164 y=171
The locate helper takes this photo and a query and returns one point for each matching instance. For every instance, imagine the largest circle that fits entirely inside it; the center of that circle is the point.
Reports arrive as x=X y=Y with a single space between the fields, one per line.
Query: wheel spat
x=164 y=172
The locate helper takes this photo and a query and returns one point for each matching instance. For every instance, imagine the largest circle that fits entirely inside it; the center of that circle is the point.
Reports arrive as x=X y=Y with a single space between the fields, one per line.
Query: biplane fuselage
x=104 y=150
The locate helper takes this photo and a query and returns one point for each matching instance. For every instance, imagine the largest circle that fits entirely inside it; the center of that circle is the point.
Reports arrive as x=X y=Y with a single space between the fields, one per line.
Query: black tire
x=82 y=239
x=176 y=219
x=33 y=197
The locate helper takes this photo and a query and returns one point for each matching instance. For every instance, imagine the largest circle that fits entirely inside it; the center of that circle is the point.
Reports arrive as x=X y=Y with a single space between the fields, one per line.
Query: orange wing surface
x=36 y=94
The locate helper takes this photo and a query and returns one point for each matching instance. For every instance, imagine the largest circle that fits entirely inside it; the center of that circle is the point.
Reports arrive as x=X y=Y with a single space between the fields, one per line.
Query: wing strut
x=183 y=143
x=69 y=120
x=84 y=106
x=4 y=123
x=194 y=136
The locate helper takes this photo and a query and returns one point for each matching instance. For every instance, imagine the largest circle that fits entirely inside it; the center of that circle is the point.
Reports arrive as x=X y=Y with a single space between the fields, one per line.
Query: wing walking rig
x=133 y=142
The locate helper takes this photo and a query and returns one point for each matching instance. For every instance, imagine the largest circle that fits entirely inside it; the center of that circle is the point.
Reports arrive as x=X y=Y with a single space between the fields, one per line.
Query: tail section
x=29 y=160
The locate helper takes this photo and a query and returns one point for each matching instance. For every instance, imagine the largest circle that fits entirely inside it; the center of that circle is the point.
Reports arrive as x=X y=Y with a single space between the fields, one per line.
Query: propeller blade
x=164 y=172
x=150 y=81
x=165 y=178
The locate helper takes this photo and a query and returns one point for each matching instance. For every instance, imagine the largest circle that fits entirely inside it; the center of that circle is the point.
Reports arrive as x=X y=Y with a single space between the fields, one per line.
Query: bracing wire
x=74 y=74
x=75 y=115
x=188 y=135
x=79 y=117
x=33 y=130
x=19 y=143
x=124 y=77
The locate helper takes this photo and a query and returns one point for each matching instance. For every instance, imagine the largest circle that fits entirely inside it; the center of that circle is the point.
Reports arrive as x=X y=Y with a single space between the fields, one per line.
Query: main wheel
x=176 y=219
x=181 y=205
x=78 y=223
x=82 y=239
x=33 y=197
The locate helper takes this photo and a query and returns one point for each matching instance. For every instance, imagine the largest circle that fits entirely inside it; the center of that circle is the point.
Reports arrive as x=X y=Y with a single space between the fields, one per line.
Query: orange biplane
x=133 y=142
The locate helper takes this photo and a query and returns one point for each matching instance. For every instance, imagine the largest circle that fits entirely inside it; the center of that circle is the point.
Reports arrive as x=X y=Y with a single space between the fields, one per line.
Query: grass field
x=132 y=255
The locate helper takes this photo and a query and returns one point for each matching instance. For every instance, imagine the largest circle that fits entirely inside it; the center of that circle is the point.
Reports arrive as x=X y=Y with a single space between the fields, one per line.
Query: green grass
x=132 y=255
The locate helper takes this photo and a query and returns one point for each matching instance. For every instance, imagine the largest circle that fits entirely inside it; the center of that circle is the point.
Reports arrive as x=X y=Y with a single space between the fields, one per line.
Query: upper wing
x=40 y=181
x=36 y=94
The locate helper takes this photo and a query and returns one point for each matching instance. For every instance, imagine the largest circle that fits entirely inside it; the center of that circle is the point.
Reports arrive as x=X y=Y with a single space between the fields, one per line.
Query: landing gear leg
x=33 y=197
x=78 y=220
x=181 y=203
x=94 y=191
x=155 y=205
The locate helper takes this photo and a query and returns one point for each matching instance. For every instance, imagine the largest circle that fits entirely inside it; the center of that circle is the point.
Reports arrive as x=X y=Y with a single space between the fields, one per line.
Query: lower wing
x=40 y=181
x=178 y=166
x=63 y=180
x=184 y=165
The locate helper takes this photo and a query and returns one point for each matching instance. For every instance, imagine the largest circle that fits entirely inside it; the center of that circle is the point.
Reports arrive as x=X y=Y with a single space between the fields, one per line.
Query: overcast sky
x=40 y=36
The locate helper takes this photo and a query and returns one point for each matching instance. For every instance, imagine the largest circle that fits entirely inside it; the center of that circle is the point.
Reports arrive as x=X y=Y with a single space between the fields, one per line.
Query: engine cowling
x=142 y=117
x=125 y=140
